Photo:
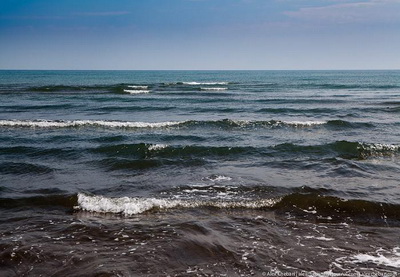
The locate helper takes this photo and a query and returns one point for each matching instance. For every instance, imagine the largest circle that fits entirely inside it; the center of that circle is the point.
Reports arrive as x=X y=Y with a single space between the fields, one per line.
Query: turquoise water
x=203 y=172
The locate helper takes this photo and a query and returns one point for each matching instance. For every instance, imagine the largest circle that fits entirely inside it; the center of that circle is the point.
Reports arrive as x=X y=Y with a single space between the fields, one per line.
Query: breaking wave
x=203 y=83
x=130 y=91
x=132 y=205
x=301 y=205
x=213 y=89
x=84 y=123
x=224 y=123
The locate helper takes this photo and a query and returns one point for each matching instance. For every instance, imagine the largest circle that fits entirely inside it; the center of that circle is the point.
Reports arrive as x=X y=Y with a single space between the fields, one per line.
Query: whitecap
x=213 y=89
x=378 y=147
x=136 y=91
x=139 y=87
x=83 y=123
x=301 y=123
x=322 y=238
x=155 y=147
x=389 y=259
x=204 y=83
x=134 y=205
x=217 y=178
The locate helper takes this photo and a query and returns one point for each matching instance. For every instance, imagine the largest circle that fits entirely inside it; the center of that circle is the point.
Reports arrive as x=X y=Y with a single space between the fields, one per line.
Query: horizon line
x=355 y=69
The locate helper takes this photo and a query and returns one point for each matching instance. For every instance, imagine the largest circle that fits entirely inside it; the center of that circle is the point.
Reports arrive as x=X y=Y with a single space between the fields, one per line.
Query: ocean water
x=199 y=173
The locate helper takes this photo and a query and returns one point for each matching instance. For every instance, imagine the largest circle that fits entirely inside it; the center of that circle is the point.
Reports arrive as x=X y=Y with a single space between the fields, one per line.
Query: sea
x=199 y=173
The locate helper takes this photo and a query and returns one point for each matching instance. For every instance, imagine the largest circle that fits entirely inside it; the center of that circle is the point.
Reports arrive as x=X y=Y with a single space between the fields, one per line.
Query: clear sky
x=199 y=34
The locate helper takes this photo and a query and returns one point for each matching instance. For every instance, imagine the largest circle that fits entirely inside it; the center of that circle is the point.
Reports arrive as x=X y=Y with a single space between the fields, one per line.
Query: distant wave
x=223 y=123
x=84 y=123
x=155 y=147
x=110 y=88
x=136 y=91
x=119 y=87
x=139 y=87
x=191 y=84
x=213 y=89
x=343 y=149
x=203 y=83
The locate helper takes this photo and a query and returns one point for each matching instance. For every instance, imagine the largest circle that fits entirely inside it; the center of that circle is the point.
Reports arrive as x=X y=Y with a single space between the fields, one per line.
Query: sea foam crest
x=139 y=87
x=213 y=89
x=136 y=91
x=204 y=83
x=82 y=123
x=217 y=178
x=275 y=123
x=387 y=259
x=379 y=147
x=155 y=147
x=134 y=205
x=301 y=123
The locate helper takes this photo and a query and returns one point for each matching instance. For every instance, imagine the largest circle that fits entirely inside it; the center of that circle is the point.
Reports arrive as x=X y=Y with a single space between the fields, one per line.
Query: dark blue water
x=238 y=173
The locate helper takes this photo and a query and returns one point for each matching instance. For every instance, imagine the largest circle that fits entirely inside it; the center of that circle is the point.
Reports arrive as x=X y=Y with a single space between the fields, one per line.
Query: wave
x=20 y=168
x=133 y=108
x=381 y=257
x=138 y=87
x=343 y=149
x=333 y=208
x=146 y=156
x=301 y=205
x=203 y=83
x=85 y=123
x=340 y=155
x=119 y=87
x=77 y=88
x=143 y=150
x=229 y=123
x=223 y=123
x=110 y=88
x=155 y=147
x=213 y=89
x=136 y=91
x=133 y=205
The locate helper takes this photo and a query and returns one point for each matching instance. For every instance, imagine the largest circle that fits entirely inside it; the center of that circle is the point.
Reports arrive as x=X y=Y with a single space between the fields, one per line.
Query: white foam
x=381 y=147
x=204 y=83
x=301 y=123
x=296 y=124
x=139 y=87
x=82 y=123
x=217 y=178
x=322 y=238
x=391 y=259
x=134 y=205
x=155 y=147
x=123 y=205
x=213 y=89
x=136 y=91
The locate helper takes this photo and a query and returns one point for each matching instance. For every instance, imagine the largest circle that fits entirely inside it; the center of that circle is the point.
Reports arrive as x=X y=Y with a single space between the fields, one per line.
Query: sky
x=200 y=34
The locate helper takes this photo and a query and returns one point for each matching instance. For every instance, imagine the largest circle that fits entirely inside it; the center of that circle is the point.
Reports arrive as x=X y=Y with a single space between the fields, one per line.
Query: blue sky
x=199 y=34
